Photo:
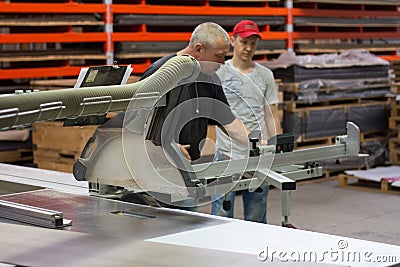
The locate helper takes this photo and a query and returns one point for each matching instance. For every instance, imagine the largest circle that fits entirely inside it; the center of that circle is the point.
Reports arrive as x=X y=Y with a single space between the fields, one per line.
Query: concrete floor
x=322 y=206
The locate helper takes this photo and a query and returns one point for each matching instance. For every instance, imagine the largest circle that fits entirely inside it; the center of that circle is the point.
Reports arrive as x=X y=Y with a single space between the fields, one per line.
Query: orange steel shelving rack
x=204 y=9
x=65 y=36
x=108 y=9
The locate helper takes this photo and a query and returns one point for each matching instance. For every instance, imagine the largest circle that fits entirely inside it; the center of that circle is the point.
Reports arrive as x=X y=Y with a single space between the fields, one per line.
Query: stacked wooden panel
x=395 y=72
x=320 y=99
x=56 y=147
x=16 y=146
x=323 y=26
x=394 y=120
x=394 y=125
x=41 y=39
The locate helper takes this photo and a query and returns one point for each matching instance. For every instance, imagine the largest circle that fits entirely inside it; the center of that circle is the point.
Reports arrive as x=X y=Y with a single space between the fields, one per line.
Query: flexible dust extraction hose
x=21 y=110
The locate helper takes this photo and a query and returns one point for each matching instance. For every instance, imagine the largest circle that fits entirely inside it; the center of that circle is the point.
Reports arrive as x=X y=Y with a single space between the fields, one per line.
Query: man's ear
x=198 y=48
x=232 y=40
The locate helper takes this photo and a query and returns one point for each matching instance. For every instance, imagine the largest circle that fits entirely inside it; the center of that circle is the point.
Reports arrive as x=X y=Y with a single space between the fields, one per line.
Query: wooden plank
x=394 y=123
x=297 y=87
x=394 y=150
x=17 y=23
x=343 y=22
x=49 y=20
x=44 y=85
x=57 y=147
x=16 y=155
x=394 y=157
x=374 y=135
x=244 y=1
x=326 y=176
x=332 y=174
x=55 y=155
x=192 y=20
x=293 y=106
x=54 y=84
x=46 y=55
x=131 y=55
x=54 y=166
x=328 y=48
x=354 y=182
x=301 y=143
x=349 y=2
x=201 y=2
x=133 y=50
x=142 y=55
x=51 y=57
x=395 y=88
x=394 y=144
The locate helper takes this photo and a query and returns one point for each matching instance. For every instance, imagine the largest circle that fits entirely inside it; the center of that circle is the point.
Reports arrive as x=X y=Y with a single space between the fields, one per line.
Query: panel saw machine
x=119 y=160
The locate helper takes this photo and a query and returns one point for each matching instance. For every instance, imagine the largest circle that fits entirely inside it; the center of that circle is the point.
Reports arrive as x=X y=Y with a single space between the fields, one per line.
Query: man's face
x=245 y=48
x=211 y=58
x=214 y=54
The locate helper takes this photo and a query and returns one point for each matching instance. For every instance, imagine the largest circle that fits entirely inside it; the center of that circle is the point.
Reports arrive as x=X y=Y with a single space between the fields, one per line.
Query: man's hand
x=184 y=149
x=264 y=142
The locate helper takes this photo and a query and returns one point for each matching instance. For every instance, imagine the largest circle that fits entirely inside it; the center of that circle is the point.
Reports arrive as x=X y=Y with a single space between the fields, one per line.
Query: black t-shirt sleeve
x=155 y=66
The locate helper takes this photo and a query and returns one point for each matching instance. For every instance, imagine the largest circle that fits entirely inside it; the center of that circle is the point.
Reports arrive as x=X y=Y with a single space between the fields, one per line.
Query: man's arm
x=272 y=121
x=237 y=131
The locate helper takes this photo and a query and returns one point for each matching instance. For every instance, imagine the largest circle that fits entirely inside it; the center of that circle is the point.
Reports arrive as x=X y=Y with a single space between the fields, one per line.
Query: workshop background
x=44 y=45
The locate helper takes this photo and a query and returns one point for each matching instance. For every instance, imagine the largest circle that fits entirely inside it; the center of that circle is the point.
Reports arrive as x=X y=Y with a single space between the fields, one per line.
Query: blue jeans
x=254 y=203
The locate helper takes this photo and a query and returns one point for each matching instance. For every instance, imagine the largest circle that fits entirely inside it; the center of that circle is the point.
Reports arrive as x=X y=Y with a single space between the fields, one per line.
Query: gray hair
x=208 y=33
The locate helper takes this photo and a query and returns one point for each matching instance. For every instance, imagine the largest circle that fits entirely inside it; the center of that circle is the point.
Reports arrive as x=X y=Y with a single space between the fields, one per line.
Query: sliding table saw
x=101 y=229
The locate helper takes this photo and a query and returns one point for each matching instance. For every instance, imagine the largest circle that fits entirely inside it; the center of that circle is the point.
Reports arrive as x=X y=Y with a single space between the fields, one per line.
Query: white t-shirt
x=247 y=94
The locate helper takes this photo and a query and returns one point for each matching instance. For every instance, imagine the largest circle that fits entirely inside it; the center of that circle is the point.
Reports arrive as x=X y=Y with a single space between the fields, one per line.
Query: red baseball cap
x=246 y=28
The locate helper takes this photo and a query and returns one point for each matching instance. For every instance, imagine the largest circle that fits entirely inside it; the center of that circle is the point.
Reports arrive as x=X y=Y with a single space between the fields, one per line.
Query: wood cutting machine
x=119 y=160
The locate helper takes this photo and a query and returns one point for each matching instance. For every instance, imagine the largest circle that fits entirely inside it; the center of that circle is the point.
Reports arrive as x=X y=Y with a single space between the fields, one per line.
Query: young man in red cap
x=250 y=90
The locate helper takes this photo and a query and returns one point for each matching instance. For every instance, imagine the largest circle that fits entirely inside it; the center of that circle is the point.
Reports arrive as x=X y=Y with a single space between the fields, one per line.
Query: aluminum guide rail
x=345 y=146
x=32 y=215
